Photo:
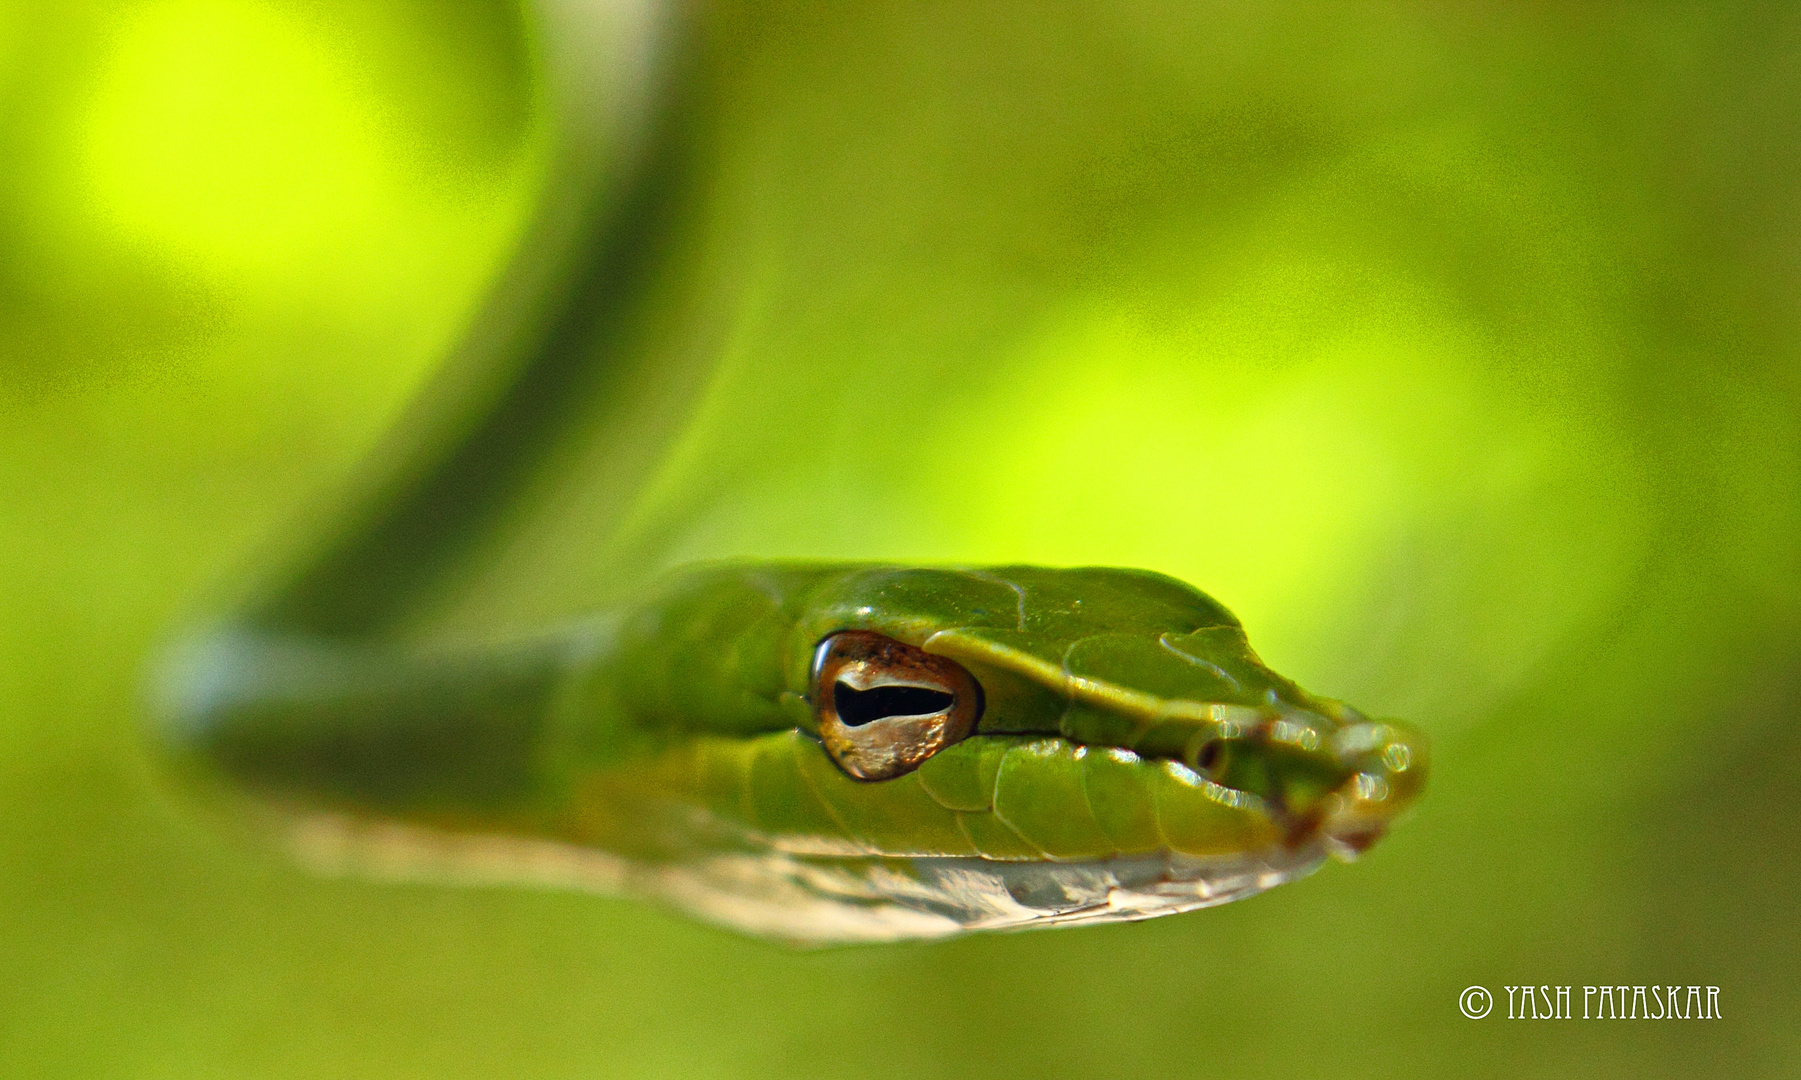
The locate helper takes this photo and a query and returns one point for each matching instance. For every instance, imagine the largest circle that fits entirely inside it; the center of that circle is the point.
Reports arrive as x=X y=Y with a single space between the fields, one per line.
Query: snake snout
x=1387 y=764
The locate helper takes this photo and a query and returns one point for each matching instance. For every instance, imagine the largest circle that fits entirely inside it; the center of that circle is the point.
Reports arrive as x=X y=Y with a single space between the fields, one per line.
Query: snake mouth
x=1049 y=798
x=1086 y=804
x=1335 y=778
x=1311 y=778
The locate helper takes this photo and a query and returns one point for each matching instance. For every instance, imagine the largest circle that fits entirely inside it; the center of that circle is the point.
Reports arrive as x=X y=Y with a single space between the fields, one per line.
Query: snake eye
x=884 y=706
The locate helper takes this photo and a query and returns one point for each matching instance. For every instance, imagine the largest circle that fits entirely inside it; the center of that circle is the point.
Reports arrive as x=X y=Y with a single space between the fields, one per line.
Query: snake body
x=817 y=752
x=1132 y=756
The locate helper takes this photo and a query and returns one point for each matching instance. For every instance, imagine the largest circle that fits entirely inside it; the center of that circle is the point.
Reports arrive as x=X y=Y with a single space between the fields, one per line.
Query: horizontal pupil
x=858 y=707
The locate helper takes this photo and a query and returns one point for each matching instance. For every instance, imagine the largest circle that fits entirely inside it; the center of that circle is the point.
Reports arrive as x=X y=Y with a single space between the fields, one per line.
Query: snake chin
x=827 y=902
x=812 y=900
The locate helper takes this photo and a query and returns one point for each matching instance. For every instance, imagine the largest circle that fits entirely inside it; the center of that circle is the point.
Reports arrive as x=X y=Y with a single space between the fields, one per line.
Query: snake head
x=1134 y=665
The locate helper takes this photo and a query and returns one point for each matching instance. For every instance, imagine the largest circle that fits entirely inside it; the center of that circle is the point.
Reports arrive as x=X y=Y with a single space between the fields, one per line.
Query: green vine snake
x=815 y=752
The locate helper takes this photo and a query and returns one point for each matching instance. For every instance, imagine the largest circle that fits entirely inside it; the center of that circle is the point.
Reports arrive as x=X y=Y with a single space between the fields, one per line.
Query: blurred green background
x=1457 y=348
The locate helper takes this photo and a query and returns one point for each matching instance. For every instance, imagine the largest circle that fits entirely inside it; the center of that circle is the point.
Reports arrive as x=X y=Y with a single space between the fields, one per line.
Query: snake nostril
x=1210 y=756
